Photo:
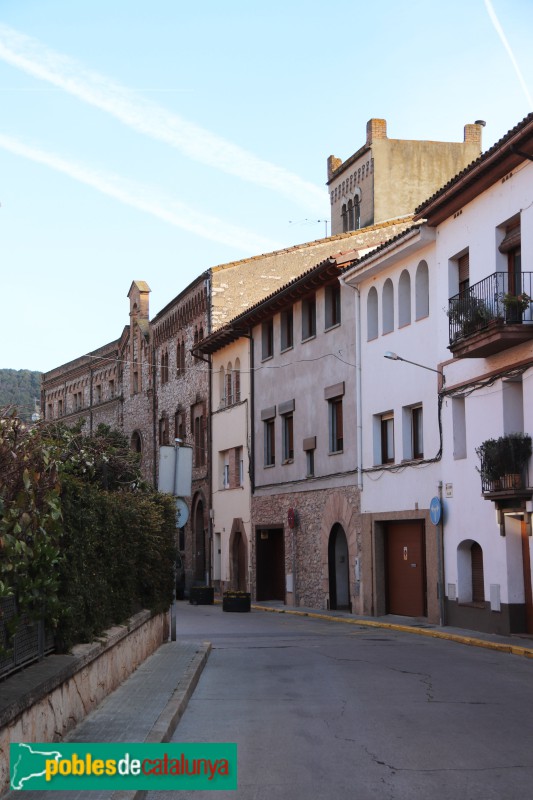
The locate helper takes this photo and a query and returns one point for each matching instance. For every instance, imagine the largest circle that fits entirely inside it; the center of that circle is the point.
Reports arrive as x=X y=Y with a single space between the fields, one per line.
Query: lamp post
x=440 y=526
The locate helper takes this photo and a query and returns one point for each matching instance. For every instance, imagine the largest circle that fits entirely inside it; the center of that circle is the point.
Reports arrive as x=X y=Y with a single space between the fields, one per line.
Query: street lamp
x=396 y=357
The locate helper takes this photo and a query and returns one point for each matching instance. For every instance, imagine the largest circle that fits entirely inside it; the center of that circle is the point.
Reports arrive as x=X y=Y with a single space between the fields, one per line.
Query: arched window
x=229 y=387
x=350 y=216
x=387 y=306
x=237 y=381
x=344 y=214
x=222 y=385
x=164 y=367
x=404 y=299
x=422 y=290
x=372 y=314
x=357 y=214
x=178 y=358
x=470 y=574
x=182 y=363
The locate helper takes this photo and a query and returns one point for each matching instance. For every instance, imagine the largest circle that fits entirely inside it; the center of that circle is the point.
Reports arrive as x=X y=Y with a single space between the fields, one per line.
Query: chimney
x=376 y=129
x=472 y=133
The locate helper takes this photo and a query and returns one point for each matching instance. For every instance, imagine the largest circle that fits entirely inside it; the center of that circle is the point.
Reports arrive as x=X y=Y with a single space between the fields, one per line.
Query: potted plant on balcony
x=515 y=453
x=489 y=454
x=515 y=305
x=468 y=314
x=233 y=600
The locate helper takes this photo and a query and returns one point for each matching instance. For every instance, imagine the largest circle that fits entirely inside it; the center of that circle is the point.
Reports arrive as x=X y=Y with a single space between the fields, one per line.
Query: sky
x=151 y=141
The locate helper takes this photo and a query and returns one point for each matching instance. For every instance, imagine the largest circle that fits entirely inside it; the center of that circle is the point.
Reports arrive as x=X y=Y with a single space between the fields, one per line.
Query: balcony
x=488 y=317
x=504 y=468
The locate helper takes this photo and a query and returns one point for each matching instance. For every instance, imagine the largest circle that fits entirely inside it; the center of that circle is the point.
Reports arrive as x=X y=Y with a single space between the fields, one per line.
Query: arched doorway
x=338 y=568
x=199 y=543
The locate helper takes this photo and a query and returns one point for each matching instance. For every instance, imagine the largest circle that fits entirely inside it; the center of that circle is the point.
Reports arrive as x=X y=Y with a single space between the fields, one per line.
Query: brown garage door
x=406 y=582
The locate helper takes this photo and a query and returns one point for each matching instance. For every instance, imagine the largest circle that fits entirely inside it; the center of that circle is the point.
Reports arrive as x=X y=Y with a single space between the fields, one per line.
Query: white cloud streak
x=140 y=114
x=145 y=199
x=499 y=30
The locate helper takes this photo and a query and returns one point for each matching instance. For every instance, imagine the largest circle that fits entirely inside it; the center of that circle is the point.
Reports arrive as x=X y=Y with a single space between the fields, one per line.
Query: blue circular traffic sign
x=435 y=510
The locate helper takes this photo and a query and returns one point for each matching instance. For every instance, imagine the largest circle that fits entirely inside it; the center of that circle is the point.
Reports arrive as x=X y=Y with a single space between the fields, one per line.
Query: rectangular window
x=287 y=340
x=267 y=339
x=417 y=432
x=459 y=427
x=111 y=389
x=333 y=305
x=287 y=422
x=135 y=382
x=241 y=468
x=98 y=394
x=199 y=440
x=270 y=445
x=387 y=438
x=336 y=440
x=163 y=430
x=310 y=463
x=309 y=317
x=226 y=476
x=463 y=265
x=60 y=408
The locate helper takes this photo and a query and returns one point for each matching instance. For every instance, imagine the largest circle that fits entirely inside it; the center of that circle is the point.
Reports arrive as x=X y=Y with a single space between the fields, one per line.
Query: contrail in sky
x=503 y=37
x=153 y=120
x=145 y=199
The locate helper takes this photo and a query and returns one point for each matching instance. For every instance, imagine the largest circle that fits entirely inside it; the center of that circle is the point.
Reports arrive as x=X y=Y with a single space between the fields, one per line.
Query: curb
x=168 y=720
x=516 y=650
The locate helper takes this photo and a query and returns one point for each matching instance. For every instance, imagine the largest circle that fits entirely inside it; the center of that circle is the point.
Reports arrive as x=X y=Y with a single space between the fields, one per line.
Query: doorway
x=270 y=558
x=199 y=543
x=405 y=568
x=338 y=569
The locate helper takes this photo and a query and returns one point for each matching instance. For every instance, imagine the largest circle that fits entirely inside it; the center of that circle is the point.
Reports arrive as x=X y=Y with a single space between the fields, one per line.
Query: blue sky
x=151 y=141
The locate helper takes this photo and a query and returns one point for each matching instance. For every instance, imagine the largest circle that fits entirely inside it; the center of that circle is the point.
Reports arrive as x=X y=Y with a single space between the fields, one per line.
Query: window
x=287 y=329
x=463 y=266
x=199 y=436
x=270 y=445
x=135 y=382
x=372 y=314
x=240 y=464
x=344 y=215
x=388 y=306
x=60 y=408
x=136 y=442
x=287 y=422
x=309 y=317
x=417 y=432
x=178 y=358
x=333 y=305
x=309 y=446
x=267 y=339
x=335 y=425
x=164 y=367
x=404 y=299
x=111 y=389
x=422 y=290
x=163 y=430
x=387 y=438
x=98 y=393
x=237 y=382
x=225 y=477
x=229 y=386
x=179 y=425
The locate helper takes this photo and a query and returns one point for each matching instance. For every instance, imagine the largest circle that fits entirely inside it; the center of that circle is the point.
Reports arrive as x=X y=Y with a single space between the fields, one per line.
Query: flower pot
x=202 y=596
x=236 y=602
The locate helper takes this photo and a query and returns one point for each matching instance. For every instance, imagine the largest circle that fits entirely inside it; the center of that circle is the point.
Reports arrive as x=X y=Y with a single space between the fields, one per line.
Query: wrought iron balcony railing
x=501 y=297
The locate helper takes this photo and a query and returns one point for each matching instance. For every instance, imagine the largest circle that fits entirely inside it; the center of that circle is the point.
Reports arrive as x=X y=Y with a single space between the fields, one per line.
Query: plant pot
x=511 y=481
x=237 y=602
x=201 y=596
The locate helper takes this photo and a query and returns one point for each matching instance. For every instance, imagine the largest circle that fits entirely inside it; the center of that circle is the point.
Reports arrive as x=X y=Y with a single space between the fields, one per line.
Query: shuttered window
x=464 y=272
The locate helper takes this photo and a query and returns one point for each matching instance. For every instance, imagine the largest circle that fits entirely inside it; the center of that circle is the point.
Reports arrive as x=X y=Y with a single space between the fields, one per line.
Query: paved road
x=325 y=710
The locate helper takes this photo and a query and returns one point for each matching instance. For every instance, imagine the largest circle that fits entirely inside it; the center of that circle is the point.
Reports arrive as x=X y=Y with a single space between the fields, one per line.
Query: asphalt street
x=324 y=710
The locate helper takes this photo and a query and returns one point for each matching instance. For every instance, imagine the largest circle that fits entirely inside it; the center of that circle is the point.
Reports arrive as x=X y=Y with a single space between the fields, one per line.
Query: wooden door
x=405 y=564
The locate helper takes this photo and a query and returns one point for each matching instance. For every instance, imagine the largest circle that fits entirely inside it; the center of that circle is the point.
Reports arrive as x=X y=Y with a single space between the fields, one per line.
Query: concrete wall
x=73 y=688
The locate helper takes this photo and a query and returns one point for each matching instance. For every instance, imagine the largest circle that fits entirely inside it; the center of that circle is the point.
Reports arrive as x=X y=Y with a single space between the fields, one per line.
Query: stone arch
x=339 y=510
x=199 y=529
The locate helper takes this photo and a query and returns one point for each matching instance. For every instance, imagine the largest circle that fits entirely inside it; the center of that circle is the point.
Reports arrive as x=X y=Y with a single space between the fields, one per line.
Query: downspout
x=358 y=385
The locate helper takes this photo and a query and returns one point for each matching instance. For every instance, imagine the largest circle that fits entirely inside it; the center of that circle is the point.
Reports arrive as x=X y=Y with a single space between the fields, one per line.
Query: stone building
x=387 y=178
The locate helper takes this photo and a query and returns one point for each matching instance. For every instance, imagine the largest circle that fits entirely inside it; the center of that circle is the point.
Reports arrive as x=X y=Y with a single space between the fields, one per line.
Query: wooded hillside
x=20 y=388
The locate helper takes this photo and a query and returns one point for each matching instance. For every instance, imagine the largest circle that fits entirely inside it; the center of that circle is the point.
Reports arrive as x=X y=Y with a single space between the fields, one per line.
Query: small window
x=111 y=389
x=229 y=386
x=135 y=382
x=164 y=367
x=309 y=317
x=333 y=305
x=417 y=432
x=163 y=430
x=225 y=477
x=310 y=463
x=387 y=438
x=237 y=382
x=336 y=440
x=98 y=393
x=270 y=445
x=179 y=425
x=288 y=437
x=60 y=408
x=199 y=438
x=267 y=339
x=287 y=340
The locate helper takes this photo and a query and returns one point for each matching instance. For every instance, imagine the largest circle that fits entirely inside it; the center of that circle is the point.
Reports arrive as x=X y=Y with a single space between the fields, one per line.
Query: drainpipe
x=440 y=560
x=358 y=385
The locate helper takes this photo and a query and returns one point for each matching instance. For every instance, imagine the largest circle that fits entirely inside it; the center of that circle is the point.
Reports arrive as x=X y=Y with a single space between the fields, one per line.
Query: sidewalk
x=146 y=708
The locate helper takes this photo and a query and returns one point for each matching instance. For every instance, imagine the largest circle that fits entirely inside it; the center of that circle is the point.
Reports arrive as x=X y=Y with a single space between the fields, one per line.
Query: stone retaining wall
x=45 y=701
